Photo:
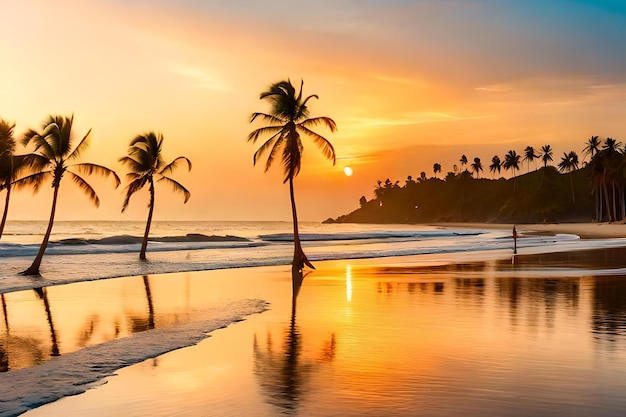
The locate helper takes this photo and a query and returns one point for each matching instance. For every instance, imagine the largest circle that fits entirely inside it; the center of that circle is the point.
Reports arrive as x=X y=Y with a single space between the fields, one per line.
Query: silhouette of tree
x=463 y=160
x=530 y=155
x=592 y=146
x=288 y=118
x=511 y=161
x=546 y=155
x=436 y=168
x=8 y=168
x=569 y=163
x=422 y=176
x=477 y=166
x=145 y=162
x=496 y=164
x=51 y=160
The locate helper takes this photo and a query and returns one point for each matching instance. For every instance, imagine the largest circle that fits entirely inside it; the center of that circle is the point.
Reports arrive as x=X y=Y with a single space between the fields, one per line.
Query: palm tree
x=511 y=161
x=145 y=162
x=52 y=159
x=463 y=160
x=569 y=163
x=477 y=166
x=436 y=168
x=288 y=118
x=530 y=155
x=592 y=146
x=7 y=165
x=546 y=155
x=496 y=164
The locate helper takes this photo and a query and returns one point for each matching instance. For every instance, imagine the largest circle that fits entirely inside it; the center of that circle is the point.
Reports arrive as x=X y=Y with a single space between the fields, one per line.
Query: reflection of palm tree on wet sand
x=42 y=293
x=283 y=373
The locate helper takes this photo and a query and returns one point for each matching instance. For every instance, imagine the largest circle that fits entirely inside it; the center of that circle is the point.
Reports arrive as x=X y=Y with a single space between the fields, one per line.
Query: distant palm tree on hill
x=592 y=146
x=463 y=160
x=530 y=155
x=145 y=162
x=546 y=155
x=477 y=167
x=288 y=118
x=51 y=159
x=496 y=164
x=436 y=168
x=569 y=163
x=511 y=161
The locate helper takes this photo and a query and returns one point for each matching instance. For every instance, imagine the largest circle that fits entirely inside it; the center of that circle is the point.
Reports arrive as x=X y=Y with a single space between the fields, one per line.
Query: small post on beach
x=514 y=241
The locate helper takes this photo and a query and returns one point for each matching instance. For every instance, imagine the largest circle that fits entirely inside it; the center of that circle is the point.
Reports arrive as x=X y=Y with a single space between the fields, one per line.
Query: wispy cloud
x=410 y=119
x=201 y=78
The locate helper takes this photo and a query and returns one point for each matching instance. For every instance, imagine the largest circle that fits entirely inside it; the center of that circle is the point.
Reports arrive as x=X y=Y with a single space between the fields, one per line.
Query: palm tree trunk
x=144 y=243
x=606 y=201
x=614 y=200
x=299 y=258
x=34 y=268
x=6 y=209
x=571 y=182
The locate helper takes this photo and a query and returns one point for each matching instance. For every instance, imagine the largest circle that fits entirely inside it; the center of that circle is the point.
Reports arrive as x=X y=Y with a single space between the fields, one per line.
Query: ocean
x=89 y=250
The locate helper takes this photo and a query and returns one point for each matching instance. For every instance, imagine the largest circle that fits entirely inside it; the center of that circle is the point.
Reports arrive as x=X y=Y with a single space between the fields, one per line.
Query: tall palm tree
x=463 y=160
x=7 y=165
x=530 y=155
x=496 y=164
x=592 y=146
x=52 y=159
x=477 y=166
x=145 y=162
x=288 y=118
x=569 y=163
x=546 y=155
x=436 y=168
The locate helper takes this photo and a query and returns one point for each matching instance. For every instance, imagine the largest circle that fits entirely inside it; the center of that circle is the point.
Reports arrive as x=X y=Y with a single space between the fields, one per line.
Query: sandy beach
x=584 y=230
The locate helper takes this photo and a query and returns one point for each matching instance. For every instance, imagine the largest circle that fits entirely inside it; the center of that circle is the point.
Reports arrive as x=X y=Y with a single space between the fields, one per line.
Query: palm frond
x=176 y=186
x=82 y=145
x=273 y=142
x=131 y=189
x=169 y=168
x=85 y=187
x=33 y=180
x=327 y=121
x=89 y=169
x=267 y=118
x=133 y=163
x=326 y=147
x=254 y=135
x=35 y=162
x=292 y=157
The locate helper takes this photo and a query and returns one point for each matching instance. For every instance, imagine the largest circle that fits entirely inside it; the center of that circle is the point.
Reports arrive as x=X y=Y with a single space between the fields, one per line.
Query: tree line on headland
x=571 y=191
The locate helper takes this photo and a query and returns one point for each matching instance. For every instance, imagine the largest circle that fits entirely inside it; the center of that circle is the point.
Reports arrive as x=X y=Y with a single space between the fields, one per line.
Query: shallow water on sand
x=545 y=335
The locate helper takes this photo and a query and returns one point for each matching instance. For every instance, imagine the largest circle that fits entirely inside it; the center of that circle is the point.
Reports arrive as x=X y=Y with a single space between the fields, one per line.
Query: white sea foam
x=76 y=372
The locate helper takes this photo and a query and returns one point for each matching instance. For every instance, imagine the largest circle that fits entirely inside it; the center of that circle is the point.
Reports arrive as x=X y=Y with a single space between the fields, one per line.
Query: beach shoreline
x=583 y=230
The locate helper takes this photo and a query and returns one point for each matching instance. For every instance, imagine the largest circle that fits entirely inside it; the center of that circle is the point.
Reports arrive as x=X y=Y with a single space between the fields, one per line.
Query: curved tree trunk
x=144 y=243
x=6 y=209
x=299 y=258
x=34 y=268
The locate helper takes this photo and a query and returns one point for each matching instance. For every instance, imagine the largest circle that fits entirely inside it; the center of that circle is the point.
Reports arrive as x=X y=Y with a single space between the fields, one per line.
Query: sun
x=348 y=171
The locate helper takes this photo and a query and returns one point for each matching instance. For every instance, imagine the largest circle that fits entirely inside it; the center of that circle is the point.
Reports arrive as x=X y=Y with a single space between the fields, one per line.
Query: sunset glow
x=409 y=83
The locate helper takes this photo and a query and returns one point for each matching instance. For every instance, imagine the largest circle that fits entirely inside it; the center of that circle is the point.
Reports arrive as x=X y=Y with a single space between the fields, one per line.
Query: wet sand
x=584 y=230
x=471 y=334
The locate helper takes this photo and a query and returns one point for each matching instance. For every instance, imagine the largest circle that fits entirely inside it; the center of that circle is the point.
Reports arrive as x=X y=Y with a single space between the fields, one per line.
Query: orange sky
x=409 y=83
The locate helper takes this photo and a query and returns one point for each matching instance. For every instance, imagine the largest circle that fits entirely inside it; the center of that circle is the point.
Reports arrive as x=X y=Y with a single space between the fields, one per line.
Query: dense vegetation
x=594 y=192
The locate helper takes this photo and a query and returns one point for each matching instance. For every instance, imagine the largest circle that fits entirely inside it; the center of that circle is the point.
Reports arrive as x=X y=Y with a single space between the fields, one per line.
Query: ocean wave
x=74 y=373
x=418 y=235
x=129 y=239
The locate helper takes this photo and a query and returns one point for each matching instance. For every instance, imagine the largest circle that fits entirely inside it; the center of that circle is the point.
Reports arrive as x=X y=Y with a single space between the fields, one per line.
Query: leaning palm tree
x=529 y=156
x=477 y=166
x=145 y=162
x=496 y=165
x=7 y=165
x=569 y=163
x=546 y=155
x=51 y=159
x=288 y=118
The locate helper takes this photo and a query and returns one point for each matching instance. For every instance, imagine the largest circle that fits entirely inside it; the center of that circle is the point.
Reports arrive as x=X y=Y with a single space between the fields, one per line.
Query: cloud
x=201 y=78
